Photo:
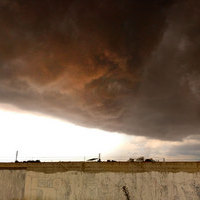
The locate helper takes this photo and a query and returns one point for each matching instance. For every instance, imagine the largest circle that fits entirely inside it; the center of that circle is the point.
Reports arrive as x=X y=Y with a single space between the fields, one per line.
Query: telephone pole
x=16 y=156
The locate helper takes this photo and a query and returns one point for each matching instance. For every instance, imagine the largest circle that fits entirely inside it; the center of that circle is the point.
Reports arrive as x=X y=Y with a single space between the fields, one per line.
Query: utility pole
x=99 y=160
x=16 y=156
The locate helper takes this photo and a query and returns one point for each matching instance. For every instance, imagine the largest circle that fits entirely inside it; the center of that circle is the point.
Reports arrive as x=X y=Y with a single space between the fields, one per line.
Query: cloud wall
x=124 y=66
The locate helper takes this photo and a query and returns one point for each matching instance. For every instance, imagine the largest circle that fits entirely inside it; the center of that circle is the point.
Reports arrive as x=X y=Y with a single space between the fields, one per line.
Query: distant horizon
x=113 y=146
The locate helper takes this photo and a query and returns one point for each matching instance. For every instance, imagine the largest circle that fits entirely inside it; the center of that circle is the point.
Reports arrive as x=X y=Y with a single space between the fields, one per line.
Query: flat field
x=129 y=167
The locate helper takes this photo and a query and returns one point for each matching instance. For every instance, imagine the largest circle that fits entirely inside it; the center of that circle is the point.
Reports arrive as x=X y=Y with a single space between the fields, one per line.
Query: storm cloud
x=127 y=66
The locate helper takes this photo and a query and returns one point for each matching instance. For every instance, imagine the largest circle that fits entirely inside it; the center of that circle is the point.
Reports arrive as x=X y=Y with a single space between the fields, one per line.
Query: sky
x=122 y=76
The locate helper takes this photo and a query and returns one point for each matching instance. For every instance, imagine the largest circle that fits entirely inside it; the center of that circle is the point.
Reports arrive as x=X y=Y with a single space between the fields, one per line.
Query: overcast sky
x=127 y=69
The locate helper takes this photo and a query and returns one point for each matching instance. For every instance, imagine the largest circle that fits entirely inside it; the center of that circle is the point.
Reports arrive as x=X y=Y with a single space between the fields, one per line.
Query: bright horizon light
x=38 y=136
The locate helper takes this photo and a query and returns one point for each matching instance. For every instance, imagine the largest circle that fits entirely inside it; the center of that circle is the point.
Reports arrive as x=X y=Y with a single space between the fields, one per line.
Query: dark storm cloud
x=126 y=66
x=192 y=150
x=189 y=147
